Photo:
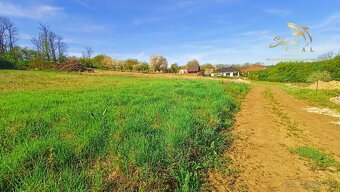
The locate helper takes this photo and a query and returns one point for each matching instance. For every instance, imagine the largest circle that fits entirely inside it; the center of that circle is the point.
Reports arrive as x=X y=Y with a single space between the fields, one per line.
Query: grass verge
x=321 y=159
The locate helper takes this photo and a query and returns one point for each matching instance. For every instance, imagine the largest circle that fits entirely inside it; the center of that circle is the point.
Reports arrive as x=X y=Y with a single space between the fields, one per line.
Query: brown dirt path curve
x=270 y=123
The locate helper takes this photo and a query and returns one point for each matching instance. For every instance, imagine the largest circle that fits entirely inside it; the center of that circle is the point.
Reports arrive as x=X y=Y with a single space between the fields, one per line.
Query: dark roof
x=194 y=68
x=229 y=69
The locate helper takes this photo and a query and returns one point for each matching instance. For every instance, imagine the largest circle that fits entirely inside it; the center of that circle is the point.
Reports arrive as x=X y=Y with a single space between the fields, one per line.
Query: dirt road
x=270 y=124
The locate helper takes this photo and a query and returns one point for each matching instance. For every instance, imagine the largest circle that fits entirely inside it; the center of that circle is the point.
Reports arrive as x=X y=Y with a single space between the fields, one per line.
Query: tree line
x=49 y=50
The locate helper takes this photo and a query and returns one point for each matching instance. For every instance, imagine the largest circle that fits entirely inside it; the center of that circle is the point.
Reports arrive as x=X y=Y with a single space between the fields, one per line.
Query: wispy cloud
x=141 y=21
x=330 y=23
x=33 y=12
x=85 y=5
x=86 y=27
x=279 y=12
x=254 y=33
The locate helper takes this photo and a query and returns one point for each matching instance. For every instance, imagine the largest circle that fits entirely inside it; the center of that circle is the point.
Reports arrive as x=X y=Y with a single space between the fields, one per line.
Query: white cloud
x=141 y=21
x=85 y=5
x=331 y=23
x=254 y=33
x=33 y=12
x=25 y=36
x=84 y=27
x=279 y=12
x=329 y=44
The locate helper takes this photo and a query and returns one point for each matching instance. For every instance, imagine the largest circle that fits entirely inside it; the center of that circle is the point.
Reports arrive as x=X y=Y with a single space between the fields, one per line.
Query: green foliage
x=6 y=63
x=192 y=63
x=87 y=62
x=141 y=67
x=174 y=68
x=72 y=132
x=37 y=62
x=207 y=66
x=298 y=72
x=319 y=76
x=102 y=61
x=321 y=159
x=130 y=63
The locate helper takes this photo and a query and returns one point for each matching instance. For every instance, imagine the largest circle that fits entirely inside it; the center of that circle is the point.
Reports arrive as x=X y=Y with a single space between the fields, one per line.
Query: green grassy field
x=74 y=132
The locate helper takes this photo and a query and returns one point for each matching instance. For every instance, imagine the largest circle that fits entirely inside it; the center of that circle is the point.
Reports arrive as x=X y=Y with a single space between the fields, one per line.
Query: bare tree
x=87 y=54
x=49 y=45
x=61 y=48
x=327 y=56
x=8 y=35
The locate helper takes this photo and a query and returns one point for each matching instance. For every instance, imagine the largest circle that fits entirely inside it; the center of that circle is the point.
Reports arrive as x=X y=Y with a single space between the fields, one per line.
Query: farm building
x=230 y=72
x=193 y=69
x=183 y=71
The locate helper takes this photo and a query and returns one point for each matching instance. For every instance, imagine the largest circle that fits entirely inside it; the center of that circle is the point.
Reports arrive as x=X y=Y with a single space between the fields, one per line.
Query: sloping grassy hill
x=298 y=72
x=73 y=132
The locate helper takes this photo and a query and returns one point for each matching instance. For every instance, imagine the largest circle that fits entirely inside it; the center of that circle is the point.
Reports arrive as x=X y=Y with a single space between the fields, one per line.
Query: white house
x=230 y=72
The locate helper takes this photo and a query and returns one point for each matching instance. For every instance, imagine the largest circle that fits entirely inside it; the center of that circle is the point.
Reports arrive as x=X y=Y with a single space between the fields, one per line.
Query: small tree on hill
x=319 y=76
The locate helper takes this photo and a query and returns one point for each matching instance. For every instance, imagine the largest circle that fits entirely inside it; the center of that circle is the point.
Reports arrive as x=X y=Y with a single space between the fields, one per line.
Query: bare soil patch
x=269 y=125
x=326 y=85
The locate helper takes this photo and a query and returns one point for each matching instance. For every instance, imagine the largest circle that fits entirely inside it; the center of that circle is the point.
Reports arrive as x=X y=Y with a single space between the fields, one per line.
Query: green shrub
x=298 y=72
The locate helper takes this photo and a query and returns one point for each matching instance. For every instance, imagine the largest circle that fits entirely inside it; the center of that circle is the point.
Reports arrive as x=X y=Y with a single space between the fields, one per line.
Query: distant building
x=230 y=72
x=183 y=71
x=216 y=74
x=193 y=69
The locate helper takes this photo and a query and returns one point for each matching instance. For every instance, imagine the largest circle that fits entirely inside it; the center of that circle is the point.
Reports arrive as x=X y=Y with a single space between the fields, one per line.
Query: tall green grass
x=64 y=132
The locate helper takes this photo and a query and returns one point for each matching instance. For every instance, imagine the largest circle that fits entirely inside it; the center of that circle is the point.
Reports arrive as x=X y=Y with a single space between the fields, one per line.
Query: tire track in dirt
x=269 y=124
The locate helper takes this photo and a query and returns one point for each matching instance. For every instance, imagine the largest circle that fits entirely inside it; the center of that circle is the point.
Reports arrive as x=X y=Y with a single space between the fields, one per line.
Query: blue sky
x=214 y=31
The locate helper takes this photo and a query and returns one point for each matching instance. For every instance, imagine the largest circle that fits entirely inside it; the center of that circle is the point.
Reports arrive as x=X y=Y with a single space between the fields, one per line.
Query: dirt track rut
x=270 y=123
